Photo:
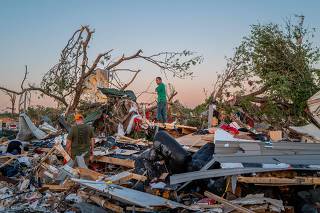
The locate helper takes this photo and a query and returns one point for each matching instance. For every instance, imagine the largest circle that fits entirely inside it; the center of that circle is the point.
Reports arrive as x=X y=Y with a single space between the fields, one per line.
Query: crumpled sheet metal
x=27 y=129
x=130 y=196
x=310 y=130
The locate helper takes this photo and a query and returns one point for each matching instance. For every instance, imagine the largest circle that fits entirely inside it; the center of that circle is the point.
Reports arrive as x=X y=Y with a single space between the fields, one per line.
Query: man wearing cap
x=80 y=139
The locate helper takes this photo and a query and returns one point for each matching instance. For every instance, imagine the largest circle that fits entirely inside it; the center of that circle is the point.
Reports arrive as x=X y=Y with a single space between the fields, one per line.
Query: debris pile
x=233 y=167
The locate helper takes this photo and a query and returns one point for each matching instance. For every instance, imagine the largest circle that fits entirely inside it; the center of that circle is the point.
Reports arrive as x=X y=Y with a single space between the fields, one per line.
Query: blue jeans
x=162 y=111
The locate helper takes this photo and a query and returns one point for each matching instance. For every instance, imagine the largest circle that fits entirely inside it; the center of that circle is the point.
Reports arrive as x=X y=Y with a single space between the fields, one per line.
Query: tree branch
x=132 y=79
x=253 y=94
x=123 y=58
x=95 y=63
x=62 y=100
x=84 y=49
x=24 y=78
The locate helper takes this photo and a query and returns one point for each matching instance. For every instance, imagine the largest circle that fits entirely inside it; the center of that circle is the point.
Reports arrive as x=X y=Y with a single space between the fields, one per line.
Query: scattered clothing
x=230 y=129
x=14 y=147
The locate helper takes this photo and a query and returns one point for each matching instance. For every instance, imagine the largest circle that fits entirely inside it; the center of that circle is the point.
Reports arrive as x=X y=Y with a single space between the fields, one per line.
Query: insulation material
x=314 y=107
x=28 y=130
x=309 y=130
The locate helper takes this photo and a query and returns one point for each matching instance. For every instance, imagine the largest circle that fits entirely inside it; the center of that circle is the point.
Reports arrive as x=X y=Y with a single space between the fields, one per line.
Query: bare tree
x=65 y=82
x=13 y=98
x=24 y=94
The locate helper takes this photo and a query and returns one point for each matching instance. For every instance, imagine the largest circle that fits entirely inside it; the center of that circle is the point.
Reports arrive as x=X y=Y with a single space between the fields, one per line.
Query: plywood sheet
x=195 y=140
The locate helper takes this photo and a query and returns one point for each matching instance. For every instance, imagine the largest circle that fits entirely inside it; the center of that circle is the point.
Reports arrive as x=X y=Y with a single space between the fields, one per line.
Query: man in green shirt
x=80 y=139
x=162 y=101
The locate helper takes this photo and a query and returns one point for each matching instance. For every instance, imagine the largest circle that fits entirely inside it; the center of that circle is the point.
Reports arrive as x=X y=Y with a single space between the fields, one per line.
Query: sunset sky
x=33 y=32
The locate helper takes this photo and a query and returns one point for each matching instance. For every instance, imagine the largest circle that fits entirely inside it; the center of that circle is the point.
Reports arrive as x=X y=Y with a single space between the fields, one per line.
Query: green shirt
x=81 y=136
x=161 y=91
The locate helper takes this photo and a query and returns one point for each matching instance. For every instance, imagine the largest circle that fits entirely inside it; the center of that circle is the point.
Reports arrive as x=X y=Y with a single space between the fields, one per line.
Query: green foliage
x=278 y=61
x=36 y=112
x=9 y=115
x=283 y=62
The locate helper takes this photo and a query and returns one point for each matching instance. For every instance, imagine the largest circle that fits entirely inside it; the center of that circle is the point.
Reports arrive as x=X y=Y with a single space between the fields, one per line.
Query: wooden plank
x=90 y=174
x=139 y=177
x=281 y=181
x=62 y=151
x=195 y=140
x=101 y=202
x=137 y=209
x=45 y=157
x=55 y=188
x=12 y=156
x=115 y=161
x=7 y=162
x=120 y=178
x=123 y=177
x=187 y=131
x=171 y=126
x=227 y=203
x=125 y=139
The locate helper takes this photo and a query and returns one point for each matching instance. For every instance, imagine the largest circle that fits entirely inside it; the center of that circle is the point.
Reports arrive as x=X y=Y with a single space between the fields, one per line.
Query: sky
x=33 y=32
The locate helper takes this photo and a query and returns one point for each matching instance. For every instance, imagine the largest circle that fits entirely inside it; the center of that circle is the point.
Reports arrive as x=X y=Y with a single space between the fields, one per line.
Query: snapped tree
x=65 y=81
x=273 y=68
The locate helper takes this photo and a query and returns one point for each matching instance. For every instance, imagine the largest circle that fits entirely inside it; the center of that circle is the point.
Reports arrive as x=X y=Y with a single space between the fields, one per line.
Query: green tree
x=274 y=68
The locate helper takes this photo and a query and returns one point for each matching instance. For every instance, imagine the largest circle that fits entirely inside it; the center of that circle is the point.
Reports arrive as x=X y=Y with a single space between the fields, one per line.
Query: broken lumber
x=227 y=203
x=7 y=162
x=280 y=181
x=101 y=202
x=130 y=196
x=115 y=161
x=137 y=209
x=90 y=174
x=55 y=188
x=123 y=177
x=203 y=174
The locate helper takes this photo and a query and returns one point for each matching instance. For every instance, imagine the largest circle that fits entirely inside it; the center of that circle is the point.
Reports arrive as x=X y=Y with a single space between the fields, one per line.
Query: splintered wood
x=101 y=202
x=119 y=178
x=116 y=161
x=227 y=203
x=276 y=181
x=195 y=140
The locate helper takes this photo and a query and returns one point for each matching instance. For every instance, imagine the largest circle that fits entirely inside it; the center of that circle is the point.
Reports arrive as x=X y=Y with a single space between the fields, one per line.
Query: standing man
x=80 y=139
x=162 y=101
